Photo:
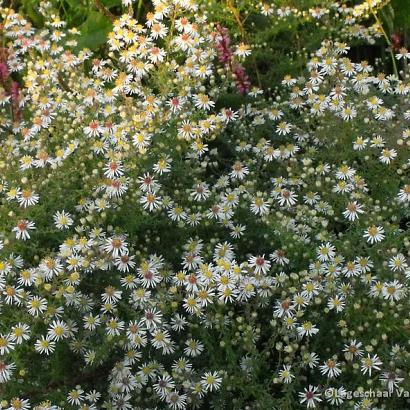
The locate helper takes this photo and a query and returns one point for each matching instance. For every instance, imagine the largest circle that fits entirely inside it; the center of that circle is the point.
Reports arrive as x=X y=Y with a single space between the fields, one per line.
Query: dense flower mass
x=164 y=247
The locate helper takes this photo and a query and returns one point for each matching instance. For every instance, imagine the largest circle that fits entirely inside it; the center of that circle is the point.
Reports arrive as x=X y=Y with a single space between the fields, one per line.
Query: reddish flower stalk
x=242 y=81
x=226 y=57
x=223 y=45
x=4 y=72
x=396 y=41
x=15 y=101
x=12 y=87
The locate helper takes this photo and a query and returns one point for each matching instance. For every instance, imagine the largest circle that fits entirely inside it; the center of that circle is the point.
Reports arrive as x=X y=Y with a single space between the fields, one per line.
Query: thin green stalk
x=64 y=9
x=107 y=13
x=139 y=7
x=393 y=59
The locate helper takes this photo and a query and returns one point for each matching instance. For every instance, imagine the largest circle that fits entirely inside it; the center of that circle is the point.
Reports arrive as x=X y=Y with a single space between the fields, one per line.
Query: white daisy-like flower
x=370 y=363
x=393 y=290
x=22 y=229
x=360 y=143
x=63 y=220
x=310 y=396
x=19 y=404
x=211 y=381
x=283 y=128
x=260 y=264
x=94 y=129
x=326 y=252
x=404 y=194
x=6 y=371
x=287 y=198
x=151 y=201
x=259 y=206
x=28 y=198
x=398 y=263
x=335 y=396
x=176 y=401
x=117 y=246
x=242 y=50
x=307 y=329
x=6 y=344
x=353 y=209
x=285 y=374
x=44 y=345
x=345 y=173
x=388 y=155
x=391 y=379
x=330 y=368
x=374 y=234
x=57 y=330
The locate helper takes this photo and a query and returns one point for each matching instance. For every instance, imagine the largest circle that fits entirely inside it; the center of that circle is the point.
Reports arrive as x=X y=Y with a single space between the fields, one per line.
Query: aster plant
x=161 y=248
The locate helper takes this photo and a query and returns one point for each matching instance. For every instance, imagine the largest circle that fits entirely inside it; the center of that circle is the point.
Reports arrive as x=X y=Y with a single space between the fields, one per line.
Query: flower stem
x=393 y=59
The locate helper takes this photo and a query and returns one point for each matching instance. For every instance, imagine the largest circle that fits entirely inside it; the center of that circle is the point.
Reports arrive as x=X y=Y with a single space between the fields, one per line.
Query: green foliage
x=29 y=8
x=94 y=31
x=400 y=11
x=244 y=340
